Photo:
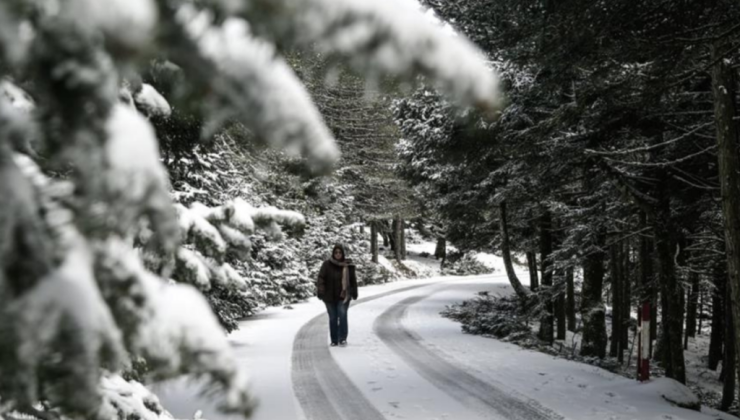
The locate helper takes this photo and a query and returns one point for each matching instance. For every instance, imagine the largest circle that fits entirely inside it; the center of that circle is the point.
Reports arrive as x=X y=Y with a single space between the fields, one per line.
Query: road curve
x=489 y=399
x=323 y=390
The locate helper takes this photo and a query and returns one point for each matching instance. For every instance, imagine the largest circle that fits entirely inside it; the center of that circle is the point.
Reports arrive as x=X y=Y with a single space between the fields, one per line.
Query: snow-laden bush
x=464 y=264
x=498 y=316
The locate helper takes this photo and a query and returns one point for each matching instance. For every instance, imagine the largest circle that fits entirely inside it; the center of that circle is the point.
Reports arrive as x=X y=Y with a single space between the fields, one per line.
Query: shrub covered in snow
x=464 y=264
x=498 y=316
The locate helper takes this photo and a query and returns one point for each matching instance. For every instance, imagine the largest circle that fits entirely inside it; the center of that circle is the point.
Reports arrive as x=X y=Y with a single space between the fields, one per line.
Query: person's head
x=338 y=252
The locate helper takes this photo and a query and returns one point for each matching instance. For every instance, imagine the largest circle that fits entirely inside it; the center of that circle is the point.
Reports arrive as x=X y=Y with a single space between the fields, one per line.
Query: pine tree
x=83 y=181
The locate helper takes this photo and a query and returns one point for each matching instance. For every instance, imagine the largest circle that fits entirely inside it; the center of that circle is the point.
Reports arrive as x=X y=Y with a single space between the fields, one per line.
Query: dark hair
x=338 y=247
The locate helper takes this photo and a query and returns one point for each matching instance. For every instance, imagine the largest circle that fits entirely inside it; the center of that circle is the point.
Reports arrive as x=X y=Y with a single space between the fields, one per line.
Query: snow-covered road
x=404 y=361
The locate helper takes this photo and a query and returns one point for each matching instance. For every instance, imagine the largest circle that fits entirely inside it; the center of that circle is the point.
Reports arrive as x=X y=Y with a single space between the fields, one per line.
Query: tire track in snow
x=323 y=390
x=489 y=399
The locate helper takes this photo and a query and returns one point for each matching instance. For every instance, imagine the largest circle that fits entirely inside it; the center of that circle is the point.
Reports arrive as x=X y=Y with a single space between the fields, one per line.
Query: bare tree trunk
x=646 y=276
x=723 y=86
x=397 y=239
x=593 y=312
x=570 y=302
x=519 y=289
x=614 y=266
x=533 y=277
x=691 y=306
x=701 y=311
x=560 y=306
x=672 y=291
x=717 y=334
x=730 y=358
x=592 y=307
x=546 y=332
x=440 y=251
x=626 y=296
x=374 y=241
x=404 y=254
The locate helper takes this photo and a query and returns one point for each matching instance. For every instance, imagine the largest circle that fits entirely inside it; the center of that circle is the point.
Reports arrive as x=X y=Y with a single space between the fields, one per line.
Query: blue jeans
x=338 y=328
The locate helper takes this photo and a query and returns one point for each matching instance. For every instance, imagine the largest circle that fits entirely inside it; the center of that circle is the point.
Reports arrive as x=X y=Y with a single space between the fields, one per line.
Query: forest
x=170 y=169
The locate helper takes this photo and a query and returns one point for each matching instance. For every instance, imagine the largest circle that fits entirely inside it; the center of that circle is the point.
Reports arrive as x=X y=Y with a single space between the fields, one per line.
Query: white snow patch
x=133 y=154
x=152 y=101
x=16 y=96
x=130 y=22
x=672 y=390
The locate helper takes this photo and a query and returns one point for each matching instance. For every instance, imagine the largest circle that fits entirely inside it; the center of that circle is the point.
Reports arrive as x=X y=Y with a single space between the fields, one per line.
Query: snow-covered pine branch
x=81 y=290
x=212 y=233
x=379 y=37
x=251 y=84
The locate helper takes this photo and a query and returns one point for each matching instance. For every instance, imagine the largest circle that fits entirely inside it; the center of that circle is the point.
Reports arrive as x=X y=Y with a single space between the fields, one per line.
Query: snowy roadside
x=575 y=390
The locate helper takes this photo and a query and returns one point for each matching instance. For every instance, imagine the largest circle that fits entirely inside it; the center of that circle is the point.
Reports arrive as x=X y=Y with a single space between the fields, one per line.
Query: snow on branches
x=259 y=89
x=78 y=301
x=211 y=234
x=382 y=37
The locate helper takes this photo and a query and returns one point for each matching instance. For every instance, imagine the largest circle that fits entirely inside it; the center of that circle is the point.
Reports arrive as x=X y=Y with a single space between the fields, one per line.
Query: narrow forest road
x=404 y=361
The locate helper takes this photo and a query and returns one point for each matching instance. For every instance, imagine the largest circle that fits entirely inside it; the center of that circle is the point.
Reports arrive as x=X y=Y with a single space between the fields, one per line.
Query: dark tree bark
x=560 y=306
x=570 y=302
x=673 y=310
x=615 y=349
x=725 y=111
x=547 y=320
x=692 y=304
x=592 y=307
x=533 y=276
x=717 y=334
x=402 y=228
x=440 y=251
x=646 y=275
x=701 y=311
x=519 y=289
x=626 y=296
x=593 y=313
x=374 y=241
x=396 y=244
x=730 y=359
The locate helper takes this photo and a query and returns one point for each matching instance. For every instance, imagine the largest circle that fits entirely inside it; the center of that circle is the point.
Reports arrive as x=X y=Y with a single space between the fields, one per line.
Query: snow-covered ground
x=405 y=361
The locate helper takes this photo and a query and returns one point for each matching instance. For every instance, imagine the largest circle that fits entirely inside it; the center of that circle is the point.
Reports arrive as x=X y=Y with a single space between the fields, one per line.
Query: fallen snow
x=577 y=391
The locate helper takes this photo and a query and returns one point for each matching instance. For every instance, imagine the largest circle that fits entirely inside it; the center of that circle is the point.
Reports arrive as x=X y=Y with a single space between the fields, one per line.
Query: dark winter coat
x=329 y=284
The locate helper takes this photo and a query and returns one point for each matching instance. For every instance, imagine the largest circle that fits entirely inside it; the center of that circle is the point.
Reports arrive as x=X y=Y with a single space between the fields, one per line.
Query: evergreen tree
x=83 y=181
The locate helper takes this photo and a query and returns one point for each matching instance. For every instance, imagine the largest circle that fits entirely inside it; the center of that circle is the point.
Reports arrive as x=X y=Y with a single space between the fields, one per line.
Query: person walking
x=336 y=287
